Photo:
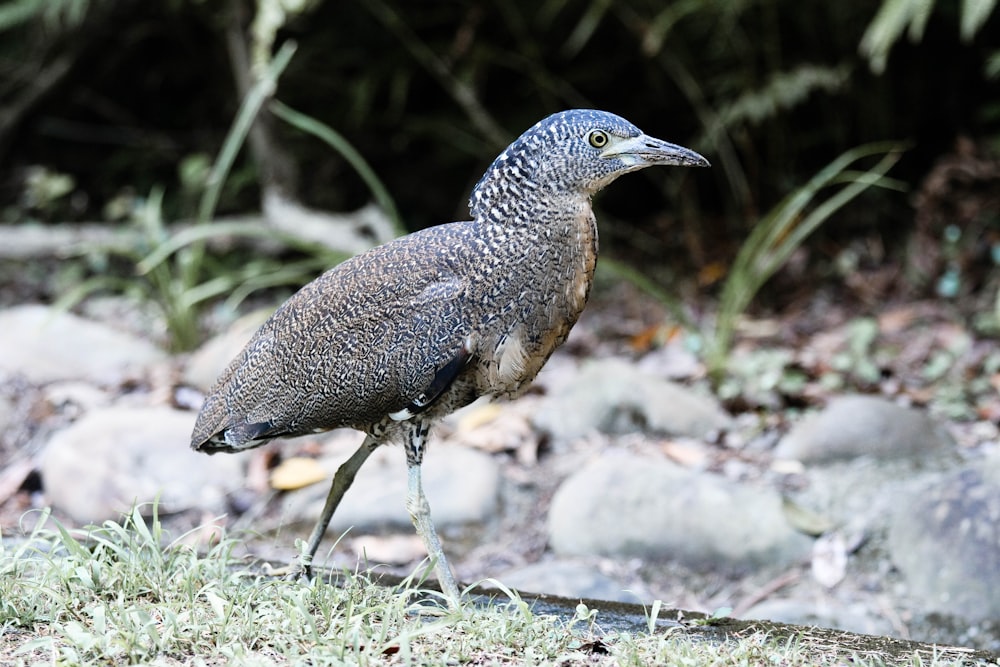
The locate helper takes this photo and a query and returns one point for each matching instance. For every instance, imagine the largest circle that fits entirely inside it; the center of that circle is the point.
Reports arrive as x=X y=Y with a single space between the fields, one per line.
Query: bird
x=391 y=340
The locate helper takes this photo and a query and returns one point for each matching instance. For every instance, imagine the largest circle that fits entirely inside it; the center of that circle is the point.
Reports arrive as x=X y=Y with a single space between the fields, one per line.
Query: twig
x=765 y=591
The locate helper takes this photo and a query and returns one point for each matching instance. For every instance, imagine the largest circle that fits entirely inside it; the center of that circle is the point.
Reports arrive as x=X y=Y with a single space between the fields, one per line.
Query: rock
x=613 y=397
x=46 y=344
x=75 y=396
x=462 y=486
x=856 y=496
x=100 y=466
x=566 y=579
x=945 y=539
x=207 y=362
x=627 y=505
x=852 y=426
x=7 y=410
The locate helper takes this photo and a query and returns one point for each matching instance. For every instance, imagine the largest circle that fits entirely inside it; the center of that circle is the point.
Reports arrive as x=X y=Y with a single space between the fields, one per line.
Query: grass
x=122 y=593
x=782 y=230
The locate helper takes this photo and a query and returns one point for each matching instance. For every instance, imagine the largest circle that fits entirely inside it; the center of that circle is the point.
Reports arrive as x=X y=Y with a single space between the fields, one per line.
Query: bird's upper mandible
x=568 y=154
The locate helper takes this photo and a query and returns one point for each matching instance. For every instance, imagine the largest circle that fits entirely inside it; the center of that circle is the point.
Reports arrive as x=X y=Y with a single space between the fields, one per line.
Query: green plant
x=176 y=271
x=337 y=142
x=53 y=12
x=175 y=280
x=783 y=229
x=897 y=16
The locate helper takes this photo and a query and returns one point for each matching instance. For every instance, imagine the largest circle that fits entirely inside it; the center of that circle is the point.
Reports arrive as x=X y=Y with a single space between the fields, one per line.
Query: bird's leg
x=420 y=511
x=342 y=481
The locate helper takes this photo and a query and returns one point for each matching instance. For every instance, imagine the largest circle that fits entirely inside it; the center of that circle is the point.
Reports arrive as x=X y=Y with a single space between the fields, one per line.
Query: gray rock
x=852 y=426
x=462 y=486
x=858 y=495
x=566 y=579
x=45 y=344
x=945 y=540
x=627 y=505
x=113 y=458
x=208 y=361
x=7 y=409
x=612 y=396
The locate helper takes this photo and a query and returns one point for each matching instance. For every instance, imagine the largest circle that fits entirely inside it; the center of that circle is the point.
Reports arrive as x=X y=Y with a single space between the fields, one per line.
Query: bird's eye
x=598 y=138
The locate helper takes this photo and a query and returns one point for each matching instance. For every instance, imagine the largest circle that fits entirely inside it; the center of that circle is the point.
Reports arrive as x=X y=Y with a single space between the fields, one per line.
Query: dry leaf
x=687 y=454
x=477 y=416
x=805 y=520
x=297 y=472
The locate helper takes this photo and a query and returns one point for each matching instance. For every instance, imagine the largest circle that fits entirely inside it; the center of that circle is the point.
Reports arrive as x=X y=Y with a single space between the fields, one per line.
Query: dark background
x=117 y=93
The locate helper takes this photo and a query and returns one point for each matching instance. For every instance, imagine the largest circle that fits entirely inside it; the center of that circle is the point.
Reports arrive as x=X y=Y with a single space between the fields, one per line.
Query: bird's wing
x=385 y=332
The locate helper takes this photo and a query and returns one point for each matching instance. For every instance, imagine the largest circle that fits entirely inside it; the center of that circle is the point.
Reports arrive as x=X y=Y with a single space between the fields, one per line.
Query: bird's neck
x=523 y=202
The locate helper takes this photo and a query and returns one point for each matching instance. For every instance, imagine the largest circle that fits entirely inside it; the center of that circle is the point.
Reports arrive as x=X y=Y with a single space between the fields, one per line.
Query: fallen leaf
x=595 y=647
x=687 y=454
x=477 y=416
x=898 y=319
x=297 y=472
x=497 y=428
x=805 y=520
x=712 y=273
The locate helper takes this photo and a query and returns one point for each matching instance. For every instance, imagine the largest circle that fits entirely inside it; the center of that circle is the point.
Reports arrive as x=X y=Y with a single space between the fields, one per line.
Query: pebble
x=853 y=426
x=45 y=344
x=113 y=458
x=625 y=505
x=613 y=397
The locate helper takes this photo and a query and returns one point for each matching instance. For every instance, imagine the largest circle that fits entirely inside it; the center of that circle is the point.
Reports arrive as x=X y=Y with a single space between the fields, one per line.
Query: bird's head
x=575 y=153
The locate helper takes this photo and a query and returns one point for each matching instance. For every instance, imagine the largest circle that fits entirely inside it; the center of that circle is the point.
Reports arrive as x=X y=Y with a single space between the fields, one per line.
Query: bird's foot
x=300 y=567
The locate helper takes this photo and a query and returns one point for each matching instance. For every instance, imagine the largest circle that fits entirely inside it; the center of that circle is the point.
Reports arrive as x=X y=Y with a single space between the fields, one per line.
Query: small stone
x=111 y=459
x=47 y=344
x=627 y=505
x=612 y=396
x=852 y=426
x=945 y=539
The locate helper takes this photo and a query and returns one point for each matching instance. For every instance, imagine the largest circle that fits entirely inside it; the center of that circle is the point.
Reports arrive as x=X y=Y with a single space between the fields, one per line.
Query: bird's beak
x=646 y=151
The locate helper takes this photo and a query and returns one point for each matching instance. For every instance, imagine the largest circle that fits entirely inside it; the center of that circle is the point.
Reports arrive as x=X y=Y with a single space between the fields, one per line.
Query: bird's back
x=369 y=336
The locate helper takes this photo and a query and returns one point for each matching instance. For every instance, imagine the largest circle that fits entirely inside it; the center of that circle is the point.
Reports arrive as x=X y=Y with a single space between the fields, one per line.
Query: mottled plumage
x=394 y=338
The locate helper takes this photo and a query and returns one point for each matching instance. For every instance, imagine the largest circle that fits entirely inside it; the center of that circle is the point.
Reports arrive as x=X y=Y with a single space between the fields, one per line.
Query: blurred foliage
x=122 y=96
x=783 y=230
x=770 y=90
x=897 y=16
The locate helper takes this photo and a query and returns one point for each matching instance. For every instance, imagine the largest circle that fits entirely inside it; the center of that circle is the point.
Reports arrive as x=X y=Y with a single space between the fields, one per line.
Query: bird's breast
x=548 y=286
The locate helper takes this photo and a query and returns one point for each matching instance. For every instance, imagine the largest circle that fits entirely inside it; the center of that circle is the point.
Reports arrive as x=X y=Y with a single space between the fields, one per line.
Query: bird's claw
x=300 y=567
